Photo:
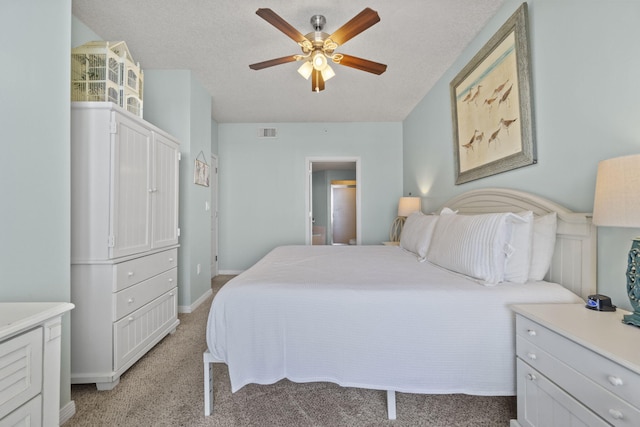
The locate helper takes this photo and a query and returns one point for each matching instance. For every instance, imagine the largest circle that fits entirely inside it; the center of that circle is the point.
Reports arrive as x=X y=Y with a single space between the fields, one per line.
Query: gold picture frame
x=491 y=105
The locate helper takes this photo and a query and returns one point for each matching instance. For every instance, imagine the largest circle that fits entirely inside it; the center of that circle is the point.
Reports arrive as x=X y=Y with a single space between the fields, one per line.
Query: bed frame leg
x=391 y=404
x=208 y=382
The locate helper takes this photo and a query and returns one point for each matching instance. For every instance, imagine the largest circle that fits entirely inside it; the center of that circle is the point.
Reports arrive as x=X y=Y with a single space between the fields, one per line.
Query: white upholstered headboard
x=574 y=259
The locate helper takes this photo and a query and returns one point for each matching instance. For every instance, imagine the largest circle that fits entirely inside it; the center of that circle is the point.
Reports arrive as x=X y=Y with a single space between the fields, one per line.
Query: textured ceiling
x=218 y=39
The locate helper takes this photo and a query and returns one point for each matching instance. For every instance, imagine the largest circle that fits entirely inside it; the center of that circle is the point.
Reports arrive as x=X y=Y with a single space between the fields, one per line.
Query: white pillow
x=472 y=245
x=519 y=248
x=544 y=243
x=417 y=232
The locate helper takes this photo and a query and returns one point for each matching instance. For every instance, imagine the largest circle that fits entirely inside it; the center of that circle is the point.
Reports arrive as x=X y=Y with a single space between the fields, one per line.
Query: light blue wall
x=585 y=106
x=35 y=160
x=262 y=182
x=176 y=102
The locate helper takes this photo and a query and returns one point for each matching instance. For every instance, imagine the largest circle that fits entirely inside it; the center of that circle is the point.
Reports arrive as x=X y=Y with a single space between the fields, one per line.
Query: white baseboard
x=67 y=411
x=190 y=308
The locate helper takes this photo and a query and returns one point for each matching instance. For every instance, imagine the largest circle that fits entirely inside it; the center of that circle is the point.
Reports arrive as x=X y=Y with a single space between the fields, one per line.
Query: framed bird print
x=491 y=105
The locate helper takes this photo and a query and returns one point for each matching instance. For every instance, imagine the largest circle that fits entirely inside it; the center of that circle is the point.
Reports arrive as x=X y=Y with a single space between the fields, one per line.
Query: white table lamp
x=617 y=204
x=406 y=206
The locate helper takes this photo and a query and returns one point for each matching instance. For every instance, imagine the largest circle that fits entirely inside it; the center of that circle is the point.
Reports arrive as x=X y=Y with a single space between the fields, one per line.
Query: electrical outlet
x=198 y=269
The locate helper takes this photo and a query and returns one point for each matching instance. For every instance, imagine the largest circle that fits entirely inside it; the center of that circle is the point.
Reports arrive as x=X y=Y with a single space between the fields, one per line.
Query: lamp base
x=396 y=228
x=631 y=319
x=633 y=283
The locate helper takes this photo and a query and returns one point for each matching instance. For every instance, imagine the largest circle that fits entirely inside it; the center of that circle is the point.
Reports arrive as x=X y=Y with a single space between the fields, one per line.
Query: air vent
x=267 y=133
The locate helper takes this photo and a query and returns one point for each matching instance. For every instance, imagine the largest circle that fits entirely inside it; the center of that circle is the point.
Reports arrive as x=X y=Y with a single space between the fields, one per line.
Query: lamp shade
x=617 y=196
x=408 y=205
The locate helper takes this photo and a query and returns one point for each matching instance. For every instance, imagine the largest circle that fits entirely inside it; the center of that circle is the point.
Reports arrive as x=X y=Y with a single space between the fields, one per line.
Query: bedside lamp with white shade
x=617 y=204
x=406 y=206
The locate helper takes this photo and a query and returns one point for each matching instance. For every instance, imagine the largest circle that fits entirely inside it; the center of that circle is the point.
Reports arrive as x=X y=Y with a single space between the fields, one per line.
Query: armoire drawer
x=607 y=374
x=132 y=298
x=129 y=273
x=142 y=327
x=20 y=370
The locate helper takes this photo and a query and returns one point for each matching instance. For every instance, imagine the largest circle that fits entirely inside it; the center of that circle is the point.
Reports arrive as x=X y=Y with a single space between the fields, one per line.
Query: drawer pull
x=131 y=300
x=616 y=414
x=531 y=332
x=170 y=259
x=615 y=380
x=531 y=377
x=131 y=319
x=130 y=274
x=170 y=280
x=532 y=356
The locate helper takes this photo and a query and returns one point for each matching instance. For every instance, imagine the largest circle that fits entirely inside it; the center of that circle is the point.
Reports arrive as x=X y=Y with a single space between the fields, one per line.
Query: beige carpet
x=164 y=388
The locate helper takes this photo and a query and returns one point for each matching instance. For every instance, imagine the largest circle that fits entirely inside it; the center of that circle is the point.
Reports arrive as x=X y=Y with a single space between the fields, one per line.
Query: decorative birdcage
x=105 y=71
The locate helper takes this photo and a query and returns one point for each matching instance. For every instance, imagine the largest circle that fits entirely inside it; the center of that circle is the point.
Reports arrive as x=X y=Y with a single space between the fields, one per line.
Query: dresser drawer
x=580 y=372
x=134 y=297
x=20 y=370
x=29 y=414
x=129 y=273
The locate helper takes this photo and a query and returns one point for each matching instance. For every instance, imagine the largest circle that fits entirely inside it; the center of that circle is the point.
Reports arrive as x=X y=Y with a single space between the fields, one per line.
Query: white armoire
x=124 y=240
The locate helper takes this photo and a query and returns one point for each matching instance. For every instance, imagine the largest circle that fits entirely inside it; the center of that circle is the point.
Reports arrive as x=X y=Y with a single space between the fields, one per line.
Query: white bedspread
x=371 y=317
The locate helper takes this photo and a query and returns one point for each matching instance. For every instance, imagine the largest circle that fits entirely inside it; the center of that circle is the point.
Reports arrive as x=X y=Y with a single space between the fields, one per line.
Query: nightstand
x=576 y=366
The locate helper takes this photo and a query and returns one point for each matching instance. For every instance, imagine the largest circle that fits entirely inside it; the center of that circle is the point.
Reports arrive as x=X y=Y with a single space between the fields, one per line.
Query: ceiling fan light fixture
x=327 y=73
x=319 y=60
x=306 y=69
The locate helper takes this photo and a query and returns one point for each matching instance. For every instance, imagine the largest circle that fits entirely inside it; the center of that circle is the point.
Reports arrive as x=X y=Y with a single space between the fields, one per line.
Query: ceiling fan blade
x=274 y=19
x=363 y=64
x=317 y=82
x=272 y=62
x=355 y=26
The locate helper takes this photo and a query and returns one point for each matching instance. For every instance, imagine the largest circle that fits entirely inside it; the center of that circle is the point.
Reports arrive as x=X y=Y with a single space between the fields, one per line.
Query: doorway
x=214 y=215
x=344 y=172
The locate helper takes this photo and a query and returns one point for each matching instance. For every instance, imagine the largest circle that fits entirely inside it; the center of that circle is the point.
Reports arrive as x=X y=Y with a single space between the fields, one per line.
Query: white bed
x=376 y=317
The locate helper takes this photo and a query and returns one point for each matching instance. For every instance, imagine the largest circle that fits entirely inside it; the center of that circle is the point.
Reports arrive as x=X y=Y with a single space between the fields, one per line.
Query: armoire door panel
x=165 y=192
x=131 y=189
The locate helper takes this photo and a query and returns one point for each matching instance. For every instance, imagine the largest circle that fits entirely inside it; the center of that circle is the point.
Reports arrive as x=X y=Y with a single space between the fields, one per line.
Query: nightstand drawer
x=607 y=405
x=579 y=370
x=129 y=273
x=544 y=404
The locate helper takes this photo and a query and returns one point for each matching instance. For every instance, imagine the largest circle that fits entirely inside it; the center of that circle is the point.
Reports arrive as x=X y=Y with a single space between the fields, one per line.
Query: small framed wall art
x=201 y=170
x=491 y=105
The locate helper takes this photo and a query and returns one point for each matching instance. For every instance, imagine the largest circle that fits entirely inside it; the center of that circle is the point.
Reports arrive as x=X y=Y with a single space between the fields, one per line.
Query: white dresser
x=30 y=363
x=576 y=367
x=124 y=240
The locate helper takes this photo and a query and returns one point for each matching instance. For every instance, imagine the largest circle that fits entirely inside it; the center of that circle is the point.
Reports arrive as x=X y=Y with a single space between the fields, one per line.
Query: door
x=214 y=216
x=343 y=214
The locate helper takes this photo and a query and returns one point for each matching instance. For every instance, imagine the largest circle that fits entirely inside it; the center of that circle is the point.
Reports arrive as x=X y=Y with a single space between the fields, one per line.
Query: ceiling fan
x=319 y=47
